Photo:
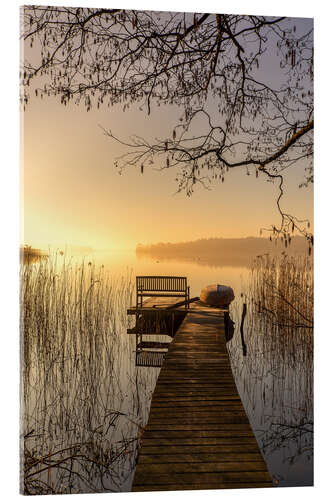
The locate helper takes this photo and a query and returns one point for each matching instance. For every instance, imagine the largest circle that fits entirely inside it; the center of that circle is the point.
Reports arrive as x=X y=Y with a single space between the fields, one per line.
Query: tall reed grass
x=83 y=401
x=283 y=289
x=275 y=378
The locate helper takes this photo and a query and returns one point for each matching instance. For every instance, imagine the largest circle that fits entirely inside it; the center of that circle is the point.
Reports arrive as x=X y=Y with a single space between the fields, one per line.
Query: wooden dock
x=198 y=435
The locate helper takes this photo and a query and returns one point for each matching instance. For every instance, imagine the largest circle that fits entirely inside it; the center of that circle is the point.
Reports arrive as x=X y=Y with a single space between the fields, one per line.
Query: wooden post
x=226 y=324
x=241 y=329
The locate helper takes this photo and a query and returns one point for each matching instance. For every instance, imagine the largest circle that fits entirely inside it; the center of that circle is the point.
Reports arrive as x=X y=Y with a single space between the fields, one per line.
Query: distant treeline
x=227 y=251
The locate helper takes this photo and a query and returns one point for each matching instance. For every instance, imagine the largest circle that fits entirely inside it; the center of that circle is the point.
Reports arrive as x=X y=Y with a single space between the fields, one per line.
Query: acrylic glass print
x=166 y=253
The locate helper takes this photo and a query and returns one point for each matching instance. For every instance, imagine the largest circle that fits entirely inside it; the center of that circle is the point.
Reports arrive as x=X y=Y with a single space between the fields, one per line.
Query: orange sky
x=73 y=195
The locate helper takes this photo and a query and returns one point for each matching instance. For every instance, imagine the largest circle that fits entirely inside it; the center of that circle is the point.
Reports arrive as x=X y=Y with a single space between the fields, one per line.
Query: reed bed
x=83 y=401
x=275 y=378
x=283 y=289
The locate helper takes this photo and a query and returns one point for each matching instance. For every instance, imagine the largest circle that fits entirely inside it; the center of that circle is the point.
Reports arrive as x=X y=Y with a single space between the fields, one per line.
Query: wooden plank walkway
x=198 y=435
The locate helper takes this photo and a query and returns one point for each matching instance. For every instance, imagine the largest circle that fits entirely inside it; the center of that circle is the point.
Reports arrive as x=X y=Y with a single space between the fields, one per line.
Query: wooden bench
x=161 y=286
x=153 y=320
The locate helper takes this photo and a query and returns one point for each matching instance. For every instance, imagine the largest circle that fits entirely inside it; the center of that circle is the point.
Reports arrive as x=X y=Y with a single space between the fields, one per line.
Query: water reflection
x=214 y=261
x=199 y=274
x=275 y=379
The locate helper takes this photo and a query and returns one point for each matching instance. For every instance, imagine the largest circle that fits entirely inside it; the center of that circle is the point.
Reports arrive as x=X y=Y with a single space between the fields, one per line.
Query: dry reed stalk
x=276 y=377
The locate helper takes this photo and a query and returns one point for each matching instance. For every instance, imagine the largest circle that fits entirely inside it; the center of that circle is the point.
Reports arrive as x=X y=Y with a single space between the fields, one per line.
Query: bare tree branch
x=211 y=67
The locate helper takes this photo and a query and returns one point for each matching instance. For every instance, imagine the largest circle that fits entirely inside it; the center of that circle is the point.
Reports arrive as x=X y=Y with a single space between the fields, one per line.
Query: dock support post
x=242 y=330
x=226 y=323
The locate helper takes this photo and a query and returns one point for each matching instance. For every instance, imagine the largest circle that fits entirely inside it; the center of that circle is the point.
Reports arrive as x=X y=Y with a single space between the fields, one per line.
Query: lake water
x=277 y=396
x=199 y=272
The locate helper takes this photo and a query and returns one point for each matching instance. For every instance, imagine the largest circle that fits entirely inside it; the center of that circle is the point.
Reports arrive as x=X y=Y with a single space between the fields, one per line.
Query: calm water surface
x=198 y=271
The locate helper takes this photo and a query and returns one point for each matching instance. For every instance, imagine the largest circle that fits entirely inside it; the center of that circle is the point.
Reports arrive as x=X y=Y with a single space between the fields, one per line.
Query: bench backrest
x=161 y=284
